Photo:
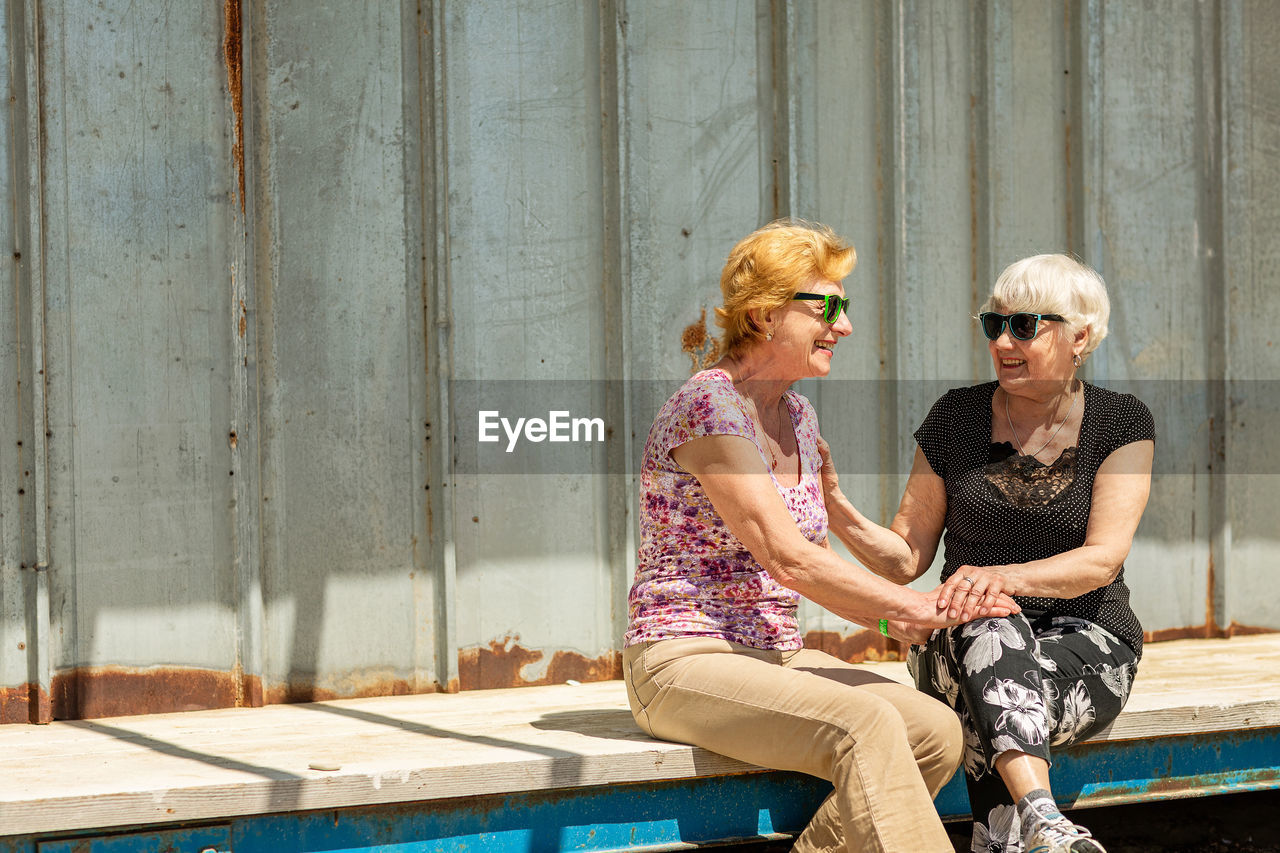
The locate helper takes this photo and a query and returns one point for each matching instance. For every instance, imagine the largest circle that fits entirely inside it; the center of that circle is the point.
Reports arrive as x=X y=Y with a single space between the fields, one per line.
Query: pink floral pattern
x=694 y=577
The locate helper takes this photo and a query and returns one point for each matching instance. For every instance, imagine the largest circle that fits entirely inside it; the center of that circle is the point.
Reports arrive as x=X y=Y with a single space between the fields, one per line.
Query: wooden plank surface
x=208 y=764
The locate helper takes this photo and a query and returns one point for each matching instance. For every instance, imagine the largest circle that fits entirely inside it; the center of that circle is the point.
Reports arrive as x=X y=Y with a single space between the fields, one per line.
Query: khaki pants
x=886 y=748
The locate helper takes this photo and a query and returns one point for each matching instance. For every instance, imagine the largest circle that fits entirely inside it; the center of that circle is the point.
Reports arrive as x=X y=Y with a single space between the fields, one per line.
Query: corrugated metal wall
x=272 y=259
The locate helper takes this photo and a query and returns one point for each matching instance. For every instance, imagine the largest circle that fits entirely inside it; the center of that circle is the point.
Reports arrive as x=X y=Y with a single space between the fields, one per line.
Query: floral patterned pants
x=1026 y=682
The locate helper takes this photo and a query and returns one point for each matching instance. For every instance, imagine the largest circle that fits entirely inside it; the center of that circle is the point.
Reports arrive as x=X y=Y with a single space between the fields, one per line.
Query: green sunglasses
x=832 y=305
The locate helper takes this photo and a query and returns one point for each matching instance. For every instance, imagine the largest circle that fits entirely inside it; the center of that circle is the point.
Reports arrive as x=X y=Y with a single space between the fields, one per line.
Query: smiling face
x=1036 y=368
x=803 y=342
x=1057 y=284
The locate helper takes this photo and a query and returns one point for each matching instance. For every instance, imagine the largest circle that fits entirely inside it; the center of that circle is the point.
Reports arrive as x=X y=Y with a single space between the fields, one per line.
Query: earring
x=1075 y=359
x=769 y=336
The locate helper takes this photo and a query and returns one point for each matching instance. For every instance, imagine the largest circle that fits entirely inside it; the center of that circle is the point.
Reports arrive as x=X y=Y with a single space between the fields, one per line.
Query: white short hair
x=1055 y=284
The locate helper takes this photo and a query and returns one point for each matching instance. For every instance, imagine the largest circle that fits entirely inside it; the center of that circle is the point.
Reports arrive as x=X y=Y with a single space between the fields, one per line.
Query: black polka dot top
x=1004 y=508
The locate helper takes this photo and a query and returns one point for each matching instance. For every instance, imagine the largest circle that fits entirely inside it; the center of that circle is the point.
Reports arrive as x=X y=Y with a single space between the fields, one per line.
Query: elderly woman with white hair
x=1035 y=484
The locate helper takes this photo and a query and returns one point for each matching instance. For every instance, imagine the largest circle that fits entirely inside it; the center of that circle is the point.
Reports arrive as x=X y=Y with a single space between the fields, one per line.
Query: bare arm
x=1120 y=492
x=903 y=551
x=731 y=472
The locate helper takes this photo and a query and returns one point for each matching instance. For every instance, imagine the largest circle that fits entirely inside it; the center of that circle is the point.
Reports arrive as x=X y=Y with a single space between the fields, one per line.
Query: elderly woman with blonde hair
x=1035 y=484
x=734 y=530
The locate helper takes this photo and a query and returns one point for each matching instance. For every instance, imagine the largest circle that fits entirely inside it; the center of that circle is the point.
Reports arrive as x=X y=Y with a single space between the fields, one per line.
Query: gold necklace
x=1009 y=420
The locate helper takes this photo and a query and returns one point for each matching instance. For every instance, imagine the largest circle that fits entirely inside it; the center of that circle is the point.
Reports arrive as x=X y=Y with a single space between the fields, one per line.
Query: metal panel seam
x=27 y=72
x=245 y=427
x=446 y=590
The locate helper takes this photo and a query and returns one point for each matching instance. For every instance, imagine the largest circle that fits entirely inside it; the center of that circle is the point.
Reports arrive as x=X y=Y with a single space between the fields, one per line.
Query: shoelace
x=1058 y=829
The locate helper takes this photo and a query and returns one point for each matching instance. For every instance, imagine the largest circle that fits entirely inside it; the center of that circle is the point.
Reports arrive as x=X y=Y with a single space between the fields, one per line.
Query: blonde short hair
x=768 y=267
x=1055 y=284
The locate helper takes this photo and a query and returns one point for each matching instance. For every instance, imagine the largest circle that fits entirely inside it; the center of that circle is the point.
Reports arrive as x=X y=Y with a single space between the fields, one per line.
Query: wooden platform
x=214 y=765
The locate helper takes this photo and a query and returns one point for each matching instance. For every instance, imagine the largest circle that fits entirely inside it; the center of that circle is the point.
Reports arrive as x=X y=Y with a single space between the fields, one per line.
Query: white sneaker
x=1055 y=834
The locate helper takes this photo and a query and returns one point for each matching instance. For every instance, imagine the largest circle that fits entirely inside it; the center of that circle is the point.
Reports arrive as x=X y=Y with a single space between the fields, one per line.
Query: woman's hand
x=973 y=592
x=932 y=614
x=830 y=479
x=910 y=632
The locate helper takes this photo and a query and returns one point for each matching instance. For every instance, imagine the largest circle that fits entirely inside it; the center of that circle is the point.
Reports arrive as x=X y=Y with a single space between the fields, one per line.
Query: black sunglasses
x=832 y=305
x=1024 y=325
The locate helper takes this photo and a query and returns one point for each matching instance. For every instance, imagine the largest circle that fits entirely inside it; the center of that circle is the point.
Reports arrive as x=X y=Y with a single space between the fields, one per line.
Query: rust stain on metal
x=1191 y=632
x=1204 y=632
x=232 y=56
x=305 y=690
x=501 y=665
x=40 y=705
x=857 y=647
x=92 y=692
x=26 y=703
x=1235 y=629
x=358 y=685
x=702 y=349
x=248 y=688
x=251 y=695
x=95 y=692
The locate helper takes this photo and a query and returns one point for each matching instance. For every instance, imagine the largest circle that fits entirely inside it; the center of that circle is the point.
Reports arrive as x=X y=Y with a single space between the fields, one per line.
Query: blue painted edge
x=678 y=814
x=201 y=839
x=626 y=817
x=638 y=816
x=1119 y=772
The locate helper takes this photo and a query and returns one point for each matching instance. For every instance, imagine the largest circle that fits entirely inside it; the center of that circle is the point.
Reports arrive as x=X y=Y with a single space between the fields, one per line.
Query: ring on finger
x=967 y=580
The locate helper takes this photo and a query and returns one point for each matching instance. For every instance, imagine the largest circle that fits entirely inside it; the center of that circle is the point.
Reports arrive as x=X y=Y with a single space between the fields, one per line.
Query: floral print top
x=693 y=577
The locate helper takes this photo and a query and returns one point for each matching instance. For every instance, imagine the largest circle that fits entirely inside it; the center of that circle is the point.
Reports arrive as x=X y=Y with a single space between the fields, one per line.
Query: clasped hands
x=968 y=594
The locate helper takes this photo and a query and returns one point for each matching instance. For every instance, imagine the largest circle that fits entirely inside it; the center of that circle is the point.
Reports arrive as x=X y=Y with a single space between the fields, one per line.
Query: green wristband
x=884 y=627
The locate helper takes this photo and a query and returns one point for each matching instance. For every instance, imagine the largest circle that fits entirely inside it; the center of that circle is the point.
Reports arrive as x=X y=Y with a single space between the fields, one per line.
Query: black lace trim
x=1024 y=480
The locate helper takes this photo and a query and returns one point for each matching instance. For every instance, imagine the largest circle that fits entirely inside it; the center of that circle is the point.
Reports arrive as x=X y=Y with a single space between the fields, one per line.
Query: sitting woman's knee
x=938 y=744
